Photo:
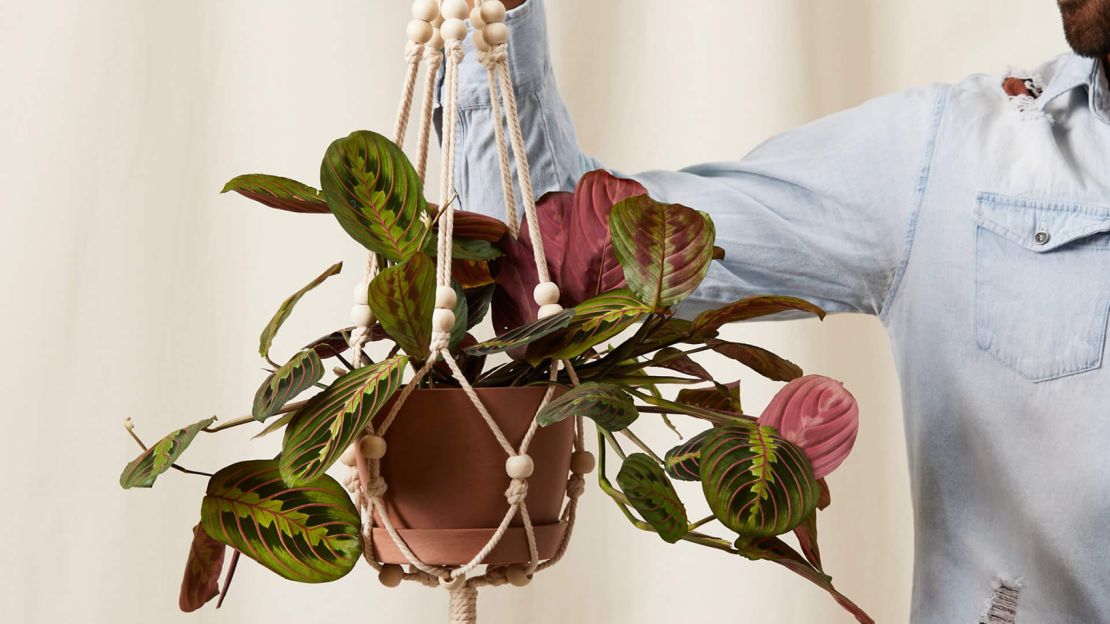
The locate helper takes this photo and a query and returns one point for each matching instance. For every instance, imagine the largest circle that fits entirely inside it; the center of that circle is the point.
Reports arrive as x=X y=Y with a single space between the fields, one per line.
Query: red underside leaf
x=202 y=571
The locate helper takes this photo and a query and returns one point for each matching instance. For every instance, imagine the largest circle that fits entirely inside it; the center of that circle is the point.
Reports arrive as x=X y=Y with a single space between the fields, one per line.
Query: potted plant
x=624 y=263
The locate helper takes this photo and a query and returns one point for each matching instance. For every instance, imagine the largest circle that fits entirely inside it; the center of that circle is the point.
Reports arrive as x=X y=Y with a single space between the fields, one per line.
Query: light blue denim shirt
x=977 y=227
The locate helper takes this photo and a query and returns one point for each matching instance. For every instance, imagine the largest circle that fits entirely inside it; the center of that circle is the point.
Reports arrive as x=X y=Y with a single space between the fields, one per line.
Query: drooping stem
x=643 y=447
x=130 y=427
x=246 y=420
x=227 y=579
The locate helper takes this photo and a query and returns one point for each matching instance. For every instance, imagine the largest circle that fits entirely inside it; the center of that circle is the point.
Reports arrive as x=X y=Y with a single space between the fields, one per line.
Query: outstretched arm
x=823 y=212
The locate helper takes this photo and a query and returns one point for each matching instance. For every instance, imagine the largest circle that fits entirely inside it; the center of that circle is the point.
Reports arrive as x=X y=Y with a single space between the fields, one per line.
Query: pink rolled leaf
x=820 y=416
x=202 y=571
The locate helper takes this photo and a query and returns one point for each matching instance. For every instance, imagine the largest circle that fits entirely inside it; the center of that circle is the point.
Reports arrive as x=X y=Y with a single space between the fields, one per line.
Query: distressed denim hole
x=1003 y=605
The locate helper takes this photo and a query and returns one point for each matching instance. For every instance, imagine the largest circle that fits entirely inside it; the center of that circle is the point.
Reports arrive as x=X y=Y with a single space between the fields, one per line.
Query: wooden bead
x=437 y=40
x=419 y=31
x=496 y=33
x=549 y=310
x=455 y=9
x=426 y=10
x=391 y=575
x=373 y=447
x=476 y=20
x=582 y=462
x=519 y=466
x=446 y=298
x=348 y=457
x=362 y=315
x=518 y=576
x=480 y=42
x=453 y=29
x=546 y=293
x=443 y=320
x=360 y=294
x=493 y=12
x=454 y=583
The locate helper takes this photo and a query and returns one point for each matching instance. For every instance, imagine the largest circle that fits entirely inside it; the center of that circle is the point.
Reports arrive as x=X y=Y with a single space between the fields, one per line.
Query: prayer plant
x=624 y=263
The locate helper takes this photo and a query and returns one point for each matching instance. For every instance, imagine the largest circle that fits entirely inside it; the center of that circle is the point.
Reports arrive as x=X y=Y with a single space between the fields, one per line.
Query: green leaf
x=606 y=404
x=375 y=193
x=758 y=359
x=723 y=398
x=757 y=483
x=651 y=494
x=677 y=360
x=403 y=298
x=202 y=571
x=144 y=469
x=300 y=373
x=683 y=461
x=477 y=304
x=308 y=533
x=664 y=249
x=707 y=323
x=331 y=420
x=278 y=192
x=462 y=322
x=286 y=307
x=523 y=335
x=595 y=321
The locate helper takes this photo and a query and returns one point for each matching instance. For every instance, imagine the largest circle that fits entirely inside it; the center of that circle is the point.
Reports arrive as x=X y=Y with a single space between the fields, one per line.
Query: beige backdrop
x=134 y=289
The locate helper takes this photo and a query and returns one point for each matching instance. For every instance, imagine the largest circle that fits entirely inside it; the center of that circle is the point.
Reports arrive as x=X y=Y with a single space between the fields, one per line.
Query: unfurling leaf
x=651 y=494
x=375 y=194
x=724 y=398
x=707 y=323
x=757 y=483
x=595 y=321
x=523 y=335
x=606 y=404
x=677 y=360
x=758 y=359
x=331 y=420
x=664 y=249
x=683 y=461
x=820 y=416
x=144 y=469
x=278 y=192
x=307 y=533
x=202 y=571
x=403 y=298
x=300 y=373
x=286 y=307
x=331 y=345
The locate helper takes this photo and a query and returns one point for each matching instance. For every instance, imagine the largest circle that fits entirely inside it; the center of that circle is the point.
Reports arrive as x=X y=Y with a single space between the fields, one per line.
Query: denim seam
x=1006 y=201
x=919 y=200
x=553 y=155
x=1021 y=238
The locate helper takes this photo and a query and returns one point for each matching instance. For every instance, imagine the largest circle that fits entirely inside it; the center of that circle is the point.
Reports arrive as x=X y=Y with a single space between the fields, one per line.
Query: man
x=974 y=221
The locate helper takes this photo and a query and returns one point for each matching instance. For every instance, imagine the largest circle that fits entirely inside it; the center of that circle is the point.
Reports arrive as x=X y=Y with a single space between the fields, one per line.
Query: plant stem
x=246 y=420
x=702 y=522
x=643 y=447
x=227 y=579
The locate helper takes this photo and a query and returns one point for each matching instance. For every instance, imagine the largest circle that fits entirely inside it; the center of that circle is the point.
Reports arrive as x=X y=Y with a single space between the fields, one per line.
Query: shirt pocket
x=1042 y=284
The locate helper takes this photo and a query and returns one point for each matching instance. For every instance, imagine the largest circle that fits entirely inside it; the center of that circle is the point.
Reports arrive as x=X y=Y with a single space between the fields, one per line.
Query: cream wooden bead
x=582 y=462
x=443 y=320
x=391 y=575
x=546 y=293
x=519 y=466
x=517 y=575
x=348 y=457
x=373 y=447
x=480 y=42
x=360 y=294
x=549 y=310
x=446 y=298
x=493 y=12
x=457 y=9
x=496 y=33
x=419 y=31
x=476 y=20
x=453 y=29
x=437 y=40
x=454 y=583
x=362 y=316
x=426 y=10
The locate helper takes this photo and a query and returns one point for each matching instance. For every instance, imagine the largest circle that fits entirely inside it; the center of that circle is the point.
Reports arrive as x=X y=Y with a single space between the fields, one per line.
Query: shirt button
x=1041 y=238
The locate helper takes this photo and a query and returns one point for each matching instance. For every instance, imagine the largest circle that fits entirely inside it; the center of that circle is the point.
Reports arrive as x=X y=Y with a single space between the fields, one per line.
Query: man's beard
x=1087 y=26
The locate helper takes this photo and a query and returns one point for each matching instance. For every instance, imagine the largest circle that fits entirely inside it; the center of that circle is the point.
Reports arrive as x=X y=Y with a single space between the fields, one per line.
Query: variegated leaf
x=375 y=193
x=286 y=307
x=403 y=298
x=307 y=533
x=278 y=192
x=758 y=359
x=524 y=335
x=707 y=323
x=477 y=226
x=159 y=457
x=202 y=571
x=300 y=373
x=651 y=494
x=664 y=249
x=331 y=420
x=331 y=345
x=683 y=460
x=677 y=360
x=757 y=483
x=595 y=321
x=606 y=404
x=720 y=397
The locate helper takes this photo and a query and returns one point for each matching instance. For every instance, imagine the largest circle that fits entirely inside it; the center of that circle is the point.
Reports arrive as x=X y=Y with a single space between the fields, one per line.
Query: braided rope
x=490 y=60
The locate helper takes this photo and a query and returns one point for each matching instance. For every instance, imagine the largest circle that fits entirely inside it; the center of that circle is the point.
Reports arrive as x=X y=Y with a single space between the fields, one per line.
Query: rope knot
x=440 y=341
x=376 y=488
x=517 y=492
x=453 y=50
x=414 y=52
x=495 y=55
x=576 y=486
x=433 y=55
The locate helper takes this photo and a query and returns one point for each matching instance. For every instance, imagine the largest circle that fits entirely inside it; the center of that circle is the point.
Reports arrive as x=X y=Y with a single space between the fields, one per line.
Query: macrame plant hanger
x=435 y=37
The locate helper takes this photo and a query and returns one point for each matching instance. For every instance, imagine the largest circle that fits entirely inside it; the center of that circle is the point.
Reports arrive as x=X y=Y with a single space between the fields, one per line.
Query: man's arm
x=822 y=212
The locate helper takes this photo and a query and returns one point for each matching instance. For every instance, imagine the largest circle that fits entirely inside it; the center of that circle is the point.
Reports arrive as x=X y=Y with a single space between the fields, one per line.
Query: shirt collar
x=1075 y=72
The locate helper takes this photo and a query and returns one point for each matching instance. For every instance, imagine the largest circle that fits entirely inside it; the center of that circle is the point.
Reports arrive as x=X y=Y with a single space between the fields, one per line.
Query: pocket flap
x=1040 y=225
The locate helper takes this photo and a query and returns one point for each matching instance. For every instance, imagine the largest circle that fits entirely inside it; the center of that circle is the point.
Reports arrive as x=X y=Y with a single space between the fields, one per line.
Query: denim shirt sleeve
x=823 y=212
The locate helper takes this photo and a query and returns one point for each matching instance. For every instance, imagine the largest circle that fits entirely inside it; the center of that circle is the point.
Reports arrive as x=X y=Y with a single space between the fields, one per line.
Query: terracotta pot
x=447 y=480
